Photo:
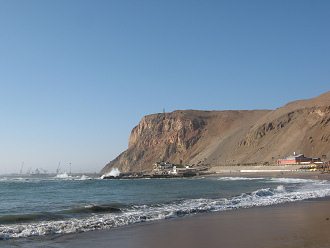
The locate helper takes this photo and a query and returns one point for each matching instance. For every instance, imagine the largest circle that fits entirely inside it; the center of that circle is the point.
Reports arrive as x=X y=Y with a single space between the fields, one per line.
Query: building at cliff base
x=297 y=159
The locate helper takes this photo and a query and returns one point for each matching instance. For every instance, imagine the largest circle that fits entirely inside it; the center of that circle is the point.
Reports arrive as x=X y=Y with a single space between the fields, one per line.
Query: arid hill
x=228 y=137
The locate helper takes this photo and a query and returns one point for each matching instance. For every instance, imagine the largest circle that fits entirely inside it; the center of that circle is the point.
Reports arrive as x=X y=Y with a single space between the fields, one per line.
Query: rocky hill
x=228 y=137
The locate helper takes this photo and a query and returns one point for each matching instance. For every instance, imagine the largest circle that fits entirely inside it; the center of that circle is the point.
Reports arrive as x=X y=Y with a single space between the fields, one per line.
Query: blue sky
x=77 y=76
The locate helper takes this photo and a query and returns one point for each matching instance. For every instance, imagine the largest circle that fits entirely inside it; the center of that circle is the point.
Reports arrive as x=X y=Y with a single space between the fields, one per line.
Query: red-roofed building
x=297 y=159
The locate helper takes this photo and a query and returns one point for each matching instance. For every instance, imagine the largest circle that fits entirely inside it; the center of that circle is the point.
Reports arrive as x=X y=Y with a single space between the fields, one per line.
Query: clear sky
x=77 y=76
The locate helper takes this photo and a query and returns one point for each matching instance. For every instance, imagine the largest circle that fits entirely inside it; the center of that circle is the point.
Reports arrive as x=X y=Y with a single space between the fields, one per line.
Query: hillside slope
x=228 y=137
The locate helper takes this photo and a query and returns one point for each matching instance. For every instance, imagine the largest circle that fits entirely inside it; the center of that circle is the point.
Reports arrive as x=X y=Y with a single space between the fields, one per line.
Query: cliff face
x=159 y=137
x=176 y=131
x=228 y=137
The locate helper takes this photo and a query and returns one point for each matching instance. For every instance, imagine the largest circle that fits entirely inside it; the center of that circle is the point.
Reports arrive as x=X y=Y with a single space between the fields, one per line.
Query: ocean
x=34 y=207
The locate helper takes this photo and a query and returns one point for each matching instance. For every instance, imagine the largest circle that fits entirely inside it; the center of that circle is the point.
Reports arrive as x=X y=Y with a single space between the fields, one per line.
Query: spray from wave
x=63 y=176
x=113 y=173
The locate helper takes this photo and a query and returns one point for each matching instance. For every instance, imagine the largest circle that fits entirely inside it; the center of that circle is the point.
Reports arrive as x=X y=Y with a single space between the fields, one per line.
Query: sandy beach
x=287 y=171
x=290 y=225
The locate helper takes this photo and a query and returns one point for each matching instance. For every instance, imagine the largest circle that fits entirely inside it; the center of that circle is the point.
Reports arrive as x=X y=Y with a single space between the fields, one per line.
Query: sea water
x=60 y=205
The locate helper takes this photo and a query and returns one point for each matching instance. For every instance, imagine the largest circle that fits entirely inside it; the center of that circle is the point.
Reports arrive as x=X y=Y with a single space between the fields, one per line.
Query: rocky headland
x=237 y=137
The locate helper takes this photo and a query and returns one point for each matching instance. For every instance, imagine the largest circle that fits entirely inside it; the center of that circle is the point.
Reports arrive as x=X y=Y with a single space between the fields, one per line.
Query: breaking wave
x=68 y=213
x=112 y=215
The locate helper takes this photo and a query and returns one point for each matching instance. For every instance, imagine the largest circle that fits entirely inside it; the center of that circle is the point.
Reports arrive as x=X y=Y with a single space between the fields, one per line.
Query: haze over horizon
x=77 y=76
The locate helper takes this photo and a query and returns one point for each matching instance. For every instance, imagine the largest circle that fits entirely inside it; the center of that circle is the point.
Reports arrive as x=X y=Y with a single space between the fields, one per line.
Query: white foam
x=113 y=173
x=83 y=178
x=62 y=176
x=280 y=188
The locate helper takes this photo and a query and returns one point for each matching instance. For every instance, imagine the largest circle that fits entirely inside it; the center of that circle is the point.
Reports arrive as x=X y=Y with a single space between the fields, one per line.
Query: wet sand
x=292 y=225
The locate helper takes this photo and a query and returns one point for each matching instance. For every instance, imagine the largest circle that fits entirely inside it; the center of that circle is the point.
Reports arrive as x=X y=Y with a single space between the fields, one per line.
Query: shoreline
x=295 y=224
x=298 y=224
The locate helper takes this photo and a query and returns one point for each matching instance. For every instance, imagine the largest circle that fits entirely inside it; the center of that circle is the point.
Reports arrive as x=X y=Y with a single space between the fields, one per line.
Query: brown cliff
x=228 y=137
